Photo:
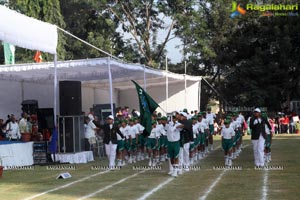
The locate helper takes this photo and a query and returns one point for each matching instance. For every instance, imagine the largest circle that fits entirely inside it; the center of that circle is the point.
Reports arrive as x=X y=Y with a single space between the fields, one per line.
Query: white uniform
x=210 y=117
x=195 y=130
x=13 y=130
x=133 y=131
x=155 y=133
x=173 y=133
x=140 y=128
x=161 y=129
x=227 y=133
x=90 y=130
x=202 y=126
x=124 y=131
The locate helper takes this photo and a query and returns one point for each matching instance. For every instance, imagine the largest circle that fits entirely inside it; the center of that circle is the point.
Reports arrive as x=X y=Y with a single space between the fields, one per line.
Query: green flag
x=147 y=107
x=9 y=53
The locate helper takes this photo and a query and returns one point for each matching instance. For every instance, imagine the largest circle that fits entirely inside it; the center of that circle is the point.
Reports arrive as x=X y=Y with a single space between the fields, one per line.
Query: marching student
x=268 y=141
x=173 y=136
x=141 y=140
x=210 y=117
x=121 y=143
x=227 y=135
x=110 y=139
x=236 y=125
x=187 y=139
x=258 y=135
x=153 y=144
x=206 y=133
x=162 y=140
x=203 y=128
x=133 y=133
x=194 y=146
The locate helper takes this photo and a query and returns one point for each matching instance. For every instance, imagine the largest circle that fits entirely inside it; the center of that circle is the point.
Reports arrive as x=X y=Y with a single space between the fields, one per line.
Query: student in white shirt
x=121 y=143
x=162 y=140
x=203 y=129
x=141 y=140
x=173 y=137
x=153 y=144
x=227 y=134
x=193 y=146
x=133 y=133
x=210 y=117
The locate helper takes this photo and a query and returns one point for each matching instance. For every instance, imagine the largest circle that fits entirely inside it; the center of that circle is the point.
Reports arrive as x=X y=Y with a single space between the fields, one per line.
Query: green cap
x=124 y=121
x=227 y=121
x=185 y=110
x=164 y=118
x=153 y=122
x=209 y=108
x=194 y=118
x=131 y=120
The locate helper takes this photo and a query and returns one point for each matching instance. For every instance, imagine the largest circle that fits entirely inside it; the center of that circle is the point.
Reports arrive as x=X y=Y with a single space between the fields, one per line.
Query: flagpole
x=167 y=85
x=110 y=88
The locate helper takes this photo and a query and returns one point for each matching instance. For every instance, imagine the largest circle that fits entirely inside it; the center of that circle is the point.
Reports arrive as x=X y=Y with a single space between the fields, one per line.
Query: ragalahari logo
x=237 y=10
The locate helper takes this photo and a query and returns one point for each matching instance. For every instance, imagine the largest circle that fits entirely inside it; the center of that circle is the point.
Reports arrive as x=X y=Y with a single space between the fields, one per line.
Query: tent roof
x=92 y=72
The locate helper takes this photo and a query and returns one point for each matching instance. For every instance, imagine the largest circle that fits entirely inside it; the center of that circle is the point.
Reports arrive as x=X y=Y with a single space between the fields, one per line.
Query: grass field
x=205 y=181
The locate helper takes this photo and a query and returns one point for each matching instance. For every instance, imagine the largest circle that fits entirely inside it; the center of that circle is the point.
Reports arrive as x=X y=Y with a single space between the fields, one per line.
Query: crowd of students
x=181 y=139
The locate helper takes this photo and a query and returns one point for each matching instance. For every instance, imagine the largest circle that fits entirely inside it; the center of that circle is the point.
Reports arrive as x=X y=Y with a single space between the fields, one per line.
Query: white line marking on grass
x=66 y=185
x=265 y=187
x=212 y=186
x=110 y=186
x=145 y=196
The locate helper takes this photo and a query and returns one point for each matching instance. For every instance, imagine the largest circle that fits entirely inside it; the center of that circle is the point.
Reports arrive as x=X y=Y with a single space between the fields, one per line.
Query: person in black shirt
x=258 y=135
x=110 y=131
x=186 y=137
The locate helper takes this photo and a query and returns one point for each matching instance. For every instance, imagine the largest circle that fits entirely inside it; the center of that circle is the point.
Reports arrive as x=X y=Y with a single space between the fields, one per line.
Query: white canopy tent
x=94 y=74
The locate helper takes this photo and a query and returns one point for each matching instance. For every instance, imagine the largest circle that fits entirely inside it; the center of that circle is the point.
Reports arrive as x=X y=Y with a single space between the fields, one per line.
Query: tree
x=144 y=19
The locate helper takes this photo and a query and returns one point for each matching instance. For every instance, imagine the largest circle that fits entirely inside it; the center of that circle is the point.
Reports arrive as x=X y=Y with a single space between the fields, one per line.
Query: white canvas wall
x=11 y=96
x=158 y=93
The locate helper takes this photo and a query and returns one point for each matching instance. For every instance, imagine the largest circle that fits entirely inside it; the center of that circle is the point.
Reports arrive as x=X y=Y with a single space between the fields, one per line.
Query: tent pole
x=145 y=80
x=185 y=84
x=167 y=84
x=110 y=88
x=55 y=90
x=200 y=94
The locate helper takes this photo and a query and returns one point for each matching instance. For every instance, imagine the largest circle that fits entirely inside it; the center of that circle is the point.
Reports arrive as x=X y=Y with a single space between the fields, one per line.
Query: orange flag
x=38 y=57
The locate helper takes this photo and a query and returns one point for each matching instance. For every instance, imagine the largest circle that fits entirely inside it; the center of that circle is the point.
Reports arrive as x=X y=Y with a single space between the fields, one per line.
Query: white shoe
x=147 y=157
x=211 y=147
x=180 y=172
x=174 y=174
x=142 y=158
x=123 y=163
x=171 y=172
x=130 y=160
x=229 y=162
x=150 y=163
x=119 y=164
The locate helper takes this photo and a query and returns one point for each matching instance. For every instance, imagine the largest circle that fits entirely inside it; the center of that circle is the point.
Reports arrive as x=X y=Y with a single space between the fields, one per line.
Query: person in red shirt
x=285 y=124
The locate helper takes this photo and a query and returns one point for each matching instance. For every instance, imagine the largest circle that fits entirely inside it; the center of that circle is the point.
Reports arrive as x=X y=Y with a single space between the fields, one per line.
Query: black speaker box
x=70 y=98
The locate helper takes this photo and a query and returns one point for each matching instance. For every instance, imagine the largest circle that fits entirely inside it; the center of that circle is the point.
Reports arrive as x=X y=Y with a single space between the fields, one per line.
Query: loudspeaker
x=30 y=106
x=45 y=118
x=70 y=98
x=71 y=134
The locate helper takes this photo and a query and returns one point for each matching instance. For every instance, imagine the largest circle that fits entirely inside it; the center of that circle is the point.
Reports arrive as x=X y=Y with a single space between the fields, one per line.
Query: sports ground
x=206 y=179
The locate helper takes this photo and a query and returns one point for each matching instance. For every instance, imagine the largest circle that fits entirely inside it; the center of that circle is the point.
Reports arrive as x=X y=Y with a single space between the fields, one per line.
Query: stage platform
x=74 y=158
x=16 y=154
